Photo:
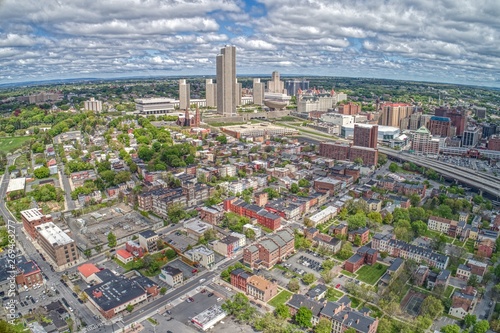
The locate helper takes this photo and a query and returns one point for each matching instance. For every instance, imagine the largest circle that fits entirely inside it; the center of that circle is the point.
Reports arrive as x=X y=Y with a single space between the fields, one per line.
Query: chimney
x=357 y=321
x=345 y=316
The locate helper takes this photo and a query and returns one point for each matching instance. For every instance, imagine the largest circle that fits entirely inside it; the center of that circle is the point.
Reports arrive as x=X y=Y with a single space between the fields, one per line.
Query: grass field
x=448 y=291
x=335 y=294
x=347 y=273
x=371 y=274
x=13 y=143
x=281 y=298
x=469 y=245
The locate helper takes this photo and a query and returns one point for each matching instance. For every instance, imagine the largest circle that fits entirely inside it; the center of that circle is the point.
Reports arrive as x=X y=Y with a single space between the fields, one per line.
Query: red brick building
x=485 y=248
x=364 y=255
x=32 y=218
x=239 y=278
x=337 y=151
x=28 y=274
x=212 y=214
x=363 y=233
x=263 y=217
x=365 y=135
x=368 y=155
x=494 y=143
x=270 y=250
x=349 y=109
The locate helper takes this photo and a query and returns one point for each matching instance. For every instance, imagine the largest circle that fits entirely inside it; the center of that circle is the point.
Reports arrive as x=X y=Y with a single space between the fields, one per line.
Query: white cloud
x=430 y=39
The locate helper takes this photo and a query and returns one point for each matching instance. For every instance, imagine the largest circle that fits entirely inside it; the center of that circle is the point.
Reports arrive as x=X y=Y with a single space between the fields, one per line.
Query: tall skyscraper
x=258 y=92
x=365 y=135
x=184 y=95
x=440 y=126
x=275 y=85
x=471 y=136
x=393 y=113
x=226 y=81
x=211 y=93
x=293 y=86
x=237 y=93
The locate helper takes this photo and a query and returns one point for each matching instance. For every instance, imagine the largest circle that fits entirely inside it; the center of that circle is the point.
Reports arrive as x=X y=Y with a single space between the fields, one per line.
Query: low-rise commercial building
x=32 y=218
x=171 y=275
x=201 y=255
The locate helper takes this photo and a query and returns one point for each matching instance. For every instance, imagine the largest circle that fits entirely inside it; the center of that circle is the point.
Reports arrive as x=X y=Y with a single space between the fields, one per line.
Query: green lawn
x=347 y=273
x=448 y=291
x=22 y=162
x=458 y=243
x=334 y=294
x=354 y=302
x=371 y=274
x=13 y=143
x=281 y=298
x=469 y=245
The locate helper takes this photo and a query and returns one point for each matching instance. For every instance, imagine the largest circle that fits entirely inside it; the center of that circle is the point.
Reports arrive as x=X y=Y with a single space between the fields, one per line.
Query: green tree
x=432 y=307
x=481 y=326
x=111 y=239
x=382 y=159
x=350 y=330
x=293 y=285
x=308 y=278
x=250 y=234
x=304 y=182
x=239 y=306
x=294 y=188
x=303 y=317
x=356 y=221
x=163 y=291
x=42 y=172
x=469 y=320
x=328 y=264
x=324 y=326
x=358 y=161
x=450 y=329
x=129 y=308
x=87 y=253
x=282 y=311
x=388 y=218
x=345 y=251
x=393 y=167
x=473 y=281
x=222 y=139
x=414 y=200
x=419 y=228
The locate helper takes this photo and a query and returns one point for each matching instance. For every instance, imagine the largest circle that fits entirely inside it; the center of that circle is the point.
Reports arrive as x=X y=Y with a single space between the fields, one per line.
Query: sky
x=456 y=41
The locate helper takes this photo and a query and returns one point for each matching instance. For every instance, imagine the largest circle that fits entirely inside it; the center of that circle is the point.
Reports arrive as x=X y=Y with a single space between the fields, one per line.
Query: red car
x=337 y=286
x=194 y=271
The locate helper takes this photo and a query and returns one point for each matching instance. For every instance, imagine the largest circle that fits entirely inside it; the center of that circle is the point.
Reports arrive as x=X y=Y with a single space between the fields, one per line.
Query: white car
x=219 y=299
x=203 y=280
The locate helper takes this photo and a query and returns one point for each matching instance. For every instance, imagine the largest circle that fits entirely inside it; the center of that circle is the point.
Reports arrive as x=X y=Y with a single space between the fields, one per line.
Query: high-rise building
x=457 y=116
x=276 y=85
x=423 y=142
x=415 y=121
x=226 y=81
x=237 y=93
x=349 y=108
x=440 y=126
x=258 y=92
x=93 y=105
x=184 y=95
x=211 y=93
x=393 y=113
x=494 y=143
x=293 y=86
x=365 y=136
x=489 y=130
x=471 y=136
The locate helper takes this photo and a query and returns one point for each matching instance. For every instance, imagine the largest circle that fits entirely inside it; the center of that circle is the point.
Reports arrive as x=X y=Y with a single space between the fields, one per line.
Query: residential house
x=362 y=233
x=364 y=255
x=463 y=302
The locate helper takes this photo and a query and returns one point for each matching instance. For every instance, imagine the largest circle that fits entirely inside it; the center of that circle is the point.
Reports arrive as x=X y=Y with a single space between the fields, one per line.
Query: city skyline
x=418 y=41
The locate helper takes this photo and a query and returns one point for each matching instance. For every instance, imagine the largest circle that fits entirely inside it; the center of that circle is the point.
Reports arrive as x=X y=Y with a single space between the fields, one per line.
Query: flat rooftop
x=16 y=184
x=32 y=214
x=53 y=234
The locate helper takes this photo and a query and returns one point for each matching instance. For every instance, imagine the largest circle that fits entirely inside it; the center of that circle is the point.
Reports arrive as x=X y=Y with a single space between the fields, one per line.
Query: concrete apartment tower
x=258 y=92
x=211 y=93
x=226 y=81
x=184 y=93
x=276 y=85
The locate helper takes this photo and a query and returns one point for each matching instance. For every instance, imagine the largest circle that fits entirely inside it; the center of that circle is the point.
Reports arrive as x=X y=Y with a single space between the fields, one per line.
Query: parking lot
x=184 y=311
x=305 y=262
x=179 y=240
